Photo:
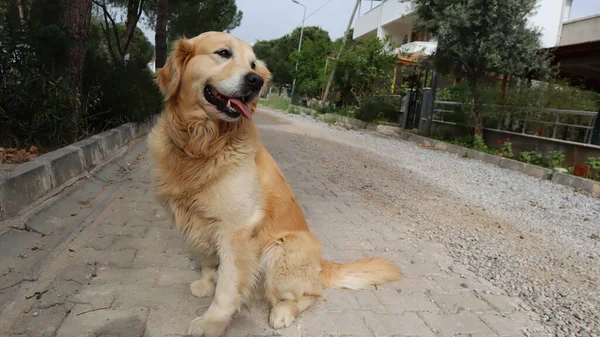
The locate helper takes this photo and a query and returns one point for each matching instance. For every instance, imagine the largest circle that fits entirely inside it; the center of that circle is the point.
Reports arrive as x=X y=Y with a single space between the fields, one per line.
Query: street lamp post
x=299 y=47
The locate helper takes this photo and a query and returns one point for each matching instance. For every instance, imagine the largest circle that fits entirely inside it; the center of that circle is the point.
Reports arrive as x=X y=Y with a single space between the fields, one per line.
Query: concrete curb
x=345 y=121
x=32 y=180
x=351 y=123
x=529 y=169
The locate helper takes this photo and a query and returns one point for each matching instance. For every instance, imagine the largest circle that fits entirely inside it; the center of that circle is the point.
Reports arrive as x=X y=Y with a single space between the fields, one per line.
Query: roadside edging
x=32 y=180
x=569 y=180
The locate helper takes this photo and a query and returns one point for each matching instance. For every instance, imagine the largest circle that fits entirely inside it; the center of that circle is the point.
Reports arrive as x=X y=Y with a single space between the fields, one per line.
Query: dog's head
x=217 y=72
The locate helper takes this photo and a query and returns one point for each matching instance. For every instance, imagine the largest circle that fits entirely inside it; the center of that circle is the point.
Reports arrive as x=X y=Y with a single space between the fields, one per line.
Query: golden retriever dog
x=227 y=196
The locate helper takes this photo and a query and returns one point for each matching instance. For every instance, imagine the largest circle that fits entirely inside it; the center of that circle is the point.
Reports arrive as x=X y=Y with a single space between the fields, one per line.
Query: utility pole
x=339 y=53
x=299 y=47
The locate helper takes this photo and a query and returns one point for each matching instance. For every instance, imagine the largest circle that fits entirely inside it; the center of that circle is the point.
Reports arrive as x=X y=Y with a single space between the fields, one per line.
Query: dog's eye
x=253 y=65
x=224 y=53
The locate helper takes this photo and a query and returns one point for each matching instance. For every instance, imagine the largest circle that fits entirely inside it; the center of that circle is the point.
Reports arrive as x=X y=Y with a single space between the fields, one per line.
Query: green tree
x=365 y=68
x=281 y=54
x=191 y=17
x=275 y=53
x=316 y=47
x=175 y=19
x=483 y=38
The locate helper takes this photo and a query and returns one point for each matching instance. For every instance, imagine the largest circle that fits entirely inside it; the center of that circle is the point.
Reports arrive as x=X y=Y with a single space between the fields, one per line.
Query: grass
x=293 y=110
x=330 y=120
x=276 y=102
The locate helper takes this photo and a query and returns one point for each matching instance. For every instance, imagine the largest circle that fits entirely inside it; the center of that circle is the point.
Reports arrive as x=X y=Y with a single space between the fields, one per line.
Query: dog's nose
x=254 y=80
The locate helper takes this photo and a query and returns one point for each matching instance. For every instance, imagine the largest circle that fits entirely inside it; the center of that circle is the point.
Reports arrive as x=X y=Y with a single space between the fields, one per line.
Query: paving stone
x=96 y=295
x=176 y=246
x=174 y=297
x=122 y=242
x=347 y=323
x=160 y=232
x=122 y=258
x=42 y=322
x=503 y=326
x=340 y=255
x=255 y=324
x=57 y=293
x=165 y=321
x=100 y=242
x=503 y=304
x=336 y=300
x=445 y=325
x=455 y=303
x=412 y=285
x=145 y=259
x=170 y=276
x=80 y=272
x=457 y=284
x=416 y=270
x=106 y=322
x=398 y=303
x=368 y=301
x=529 y=320
x=146 y=277
x=407 y=324
x=119 y=229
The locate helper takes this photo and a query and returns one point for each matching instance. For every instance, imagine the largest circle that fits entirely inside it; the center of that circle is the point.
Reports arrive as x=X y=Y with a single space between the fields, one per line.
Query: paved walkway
x=104 y=261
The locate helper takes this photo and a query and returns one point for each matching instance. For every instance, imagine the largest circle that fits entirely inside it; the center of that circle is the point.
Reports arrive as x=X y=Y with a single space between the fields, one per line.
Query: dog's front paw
x=196 y=328
x=282 y=316
x=203 y=327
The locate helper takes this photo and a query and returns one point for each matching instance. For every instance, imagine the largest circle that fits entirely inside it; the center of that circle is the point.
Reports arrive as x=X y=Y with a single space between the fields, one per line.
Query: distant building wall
x=581 y=30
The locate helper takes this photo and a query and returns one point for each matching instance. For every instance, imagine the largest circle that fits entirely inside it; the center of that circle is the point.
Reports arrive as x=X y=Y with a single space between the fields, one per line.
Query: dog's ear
x=169 y=76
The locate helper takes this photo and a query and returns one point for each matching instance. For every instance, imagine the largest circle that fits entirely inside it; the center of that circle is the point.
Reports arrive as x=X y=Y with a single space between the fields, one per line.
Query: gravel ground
x=536 y=240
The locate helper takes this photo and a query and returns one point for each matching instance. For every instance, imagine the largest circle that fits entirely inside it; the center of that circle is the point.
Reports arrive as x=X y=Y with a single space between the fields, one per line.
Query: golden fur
x=231 y=202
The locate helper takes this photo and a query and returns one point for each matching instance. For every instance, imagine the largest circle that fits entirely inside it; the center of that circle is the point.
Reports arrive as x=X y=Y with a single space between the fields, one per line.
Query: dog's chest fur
x=235 y=199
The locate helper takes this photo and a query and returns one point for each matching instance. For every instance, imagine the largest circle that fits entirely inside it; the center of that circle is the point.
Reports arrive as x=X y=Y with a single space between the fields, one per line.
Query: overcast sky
x=270 y=19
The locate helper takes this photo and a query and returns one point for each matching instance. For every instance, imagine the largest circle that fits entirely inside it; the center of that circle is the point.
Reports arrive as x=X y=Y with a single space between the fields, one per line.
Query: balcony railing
x=426 y=48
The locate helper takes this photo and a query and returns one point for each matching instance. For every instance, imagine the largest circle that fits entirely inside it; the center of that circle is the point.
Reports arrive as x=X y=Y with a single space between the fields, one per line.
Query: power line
x=313 y=13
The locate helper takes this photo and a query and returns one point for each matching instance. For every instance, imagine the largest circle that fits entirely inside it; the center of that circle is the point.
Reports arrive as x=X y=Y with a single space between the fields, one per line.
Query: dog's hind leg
x=292 y=277
x=205 y=286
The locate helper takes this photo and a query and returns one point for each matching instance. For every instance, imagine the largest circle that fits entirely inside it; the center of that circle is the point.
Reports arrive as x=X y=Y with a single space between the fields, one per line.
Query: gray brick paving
x=127 y=273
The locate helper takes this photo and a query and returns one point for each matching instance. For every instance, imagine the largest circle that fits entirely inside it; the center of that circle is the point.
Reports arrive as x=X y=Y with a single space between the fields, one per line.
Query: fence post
x=426 y=112
x=405 y=106
x=595 y=139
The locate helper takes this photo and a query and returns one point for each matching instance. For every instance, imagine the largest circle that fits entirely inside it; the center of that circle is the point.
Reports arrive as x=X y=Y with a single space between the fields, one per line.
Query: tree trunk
x=134 y=11
x=76 y=20
x=477 y=108
x=160 y=37
x=21 y=11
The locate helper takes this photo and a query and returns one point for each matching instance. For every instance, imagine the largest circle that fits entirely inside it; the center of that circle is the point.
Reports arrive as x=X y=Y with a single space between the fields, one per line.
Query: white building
x=396 y=18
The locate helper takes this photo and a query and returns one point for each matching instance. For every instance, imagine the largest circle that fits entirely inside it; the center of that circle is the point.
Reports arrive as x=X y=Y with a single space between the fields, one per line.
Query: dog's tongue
x=241 y=107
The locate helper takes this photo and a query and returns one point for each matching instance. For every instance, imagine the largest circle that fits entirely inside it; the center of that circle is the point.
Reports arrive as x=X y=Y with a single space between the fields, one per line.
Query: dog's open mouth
x=230 y=106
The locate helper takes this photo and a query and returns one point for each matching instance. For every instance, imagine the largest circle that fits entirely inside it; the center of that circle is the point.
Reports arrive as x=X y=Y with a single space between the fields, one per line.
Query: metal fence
x=571 y=125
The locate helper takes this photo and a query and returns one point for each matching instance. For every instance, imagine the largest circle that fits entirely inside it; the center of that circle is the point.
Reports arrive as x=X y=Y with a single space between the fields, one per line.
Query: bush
x=379 y=108
x=557 y=159
x=36 y=106
x=531 y=157
x=276 y=102
x=126 y=94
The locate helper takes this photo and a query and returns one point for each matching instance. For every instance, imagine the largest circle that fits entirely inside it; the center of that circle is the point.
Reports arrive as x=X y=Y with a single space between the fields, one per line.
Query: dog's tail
x=358 y=274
